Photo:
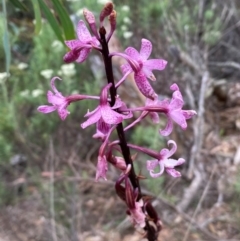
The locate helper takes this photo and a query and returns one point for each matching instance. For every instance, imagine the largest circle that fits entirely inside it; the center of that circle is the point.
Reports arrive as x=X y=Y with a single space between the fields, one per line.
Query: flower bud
x=89 y=17
x=107 y=10
x=112 y=19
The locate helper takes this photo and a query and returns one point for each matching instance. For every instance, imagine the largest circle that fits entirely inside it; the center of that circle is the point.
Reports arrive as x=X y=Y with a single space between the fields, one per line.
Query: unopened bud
x=112 y=19
x=89 y=16
x=107 y=10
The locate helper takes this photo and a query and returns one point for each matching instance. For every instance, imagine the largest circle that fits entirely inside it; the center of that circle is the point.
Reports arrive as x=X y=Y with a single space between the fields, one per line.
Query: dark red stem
x=113 y=92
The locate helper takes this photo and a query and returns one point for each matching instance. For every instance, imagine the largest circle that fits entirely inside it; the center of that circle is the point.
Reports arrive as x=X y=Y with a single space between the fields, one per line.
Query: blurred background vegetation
x=201 y=41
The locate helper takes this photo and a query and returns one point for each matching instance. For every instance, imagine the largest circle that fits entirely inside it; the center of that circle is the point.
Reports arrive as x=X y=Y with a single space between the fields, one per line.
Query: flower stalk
x=113 y=93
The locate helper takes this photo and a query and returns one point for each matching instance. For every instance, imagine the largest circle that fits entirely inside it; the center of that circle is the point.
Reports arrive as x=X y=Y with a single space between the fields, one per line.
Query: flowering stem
x=76 y=97
x=147 y=151
x=113 y=93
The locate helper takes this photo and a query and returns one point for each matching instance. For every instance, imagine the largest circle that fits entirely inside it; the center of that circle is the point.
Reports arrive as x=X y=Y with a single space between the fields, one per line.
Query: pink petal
x=151 y=164
x=83 y=55
x=174 y=87
x=148 y=73
x=55 y=99
x=158 y=64
x=144 y=86
x=104 y=95
x=110 y=116
x=176 y=103
x=176 y=94
x=171 y=163
x=180 y=161
x=173 y=149
x=158 y=174
x=173 y=172
x=146 y=49
x=188 y=114
x=95 y=42
x=168 y=129
x=73 y=43
x=164 y=153
x=46 y=109
x=154 y=117
x=102 y=129
x=133 y=53
x=83 y=32
x=52 y=82
x=126 y=68
x=93 y=118
x=118 y=103
x=137 y=216
x=63 y=113
x=70 y=57
x=89 y=113
x=178 y=117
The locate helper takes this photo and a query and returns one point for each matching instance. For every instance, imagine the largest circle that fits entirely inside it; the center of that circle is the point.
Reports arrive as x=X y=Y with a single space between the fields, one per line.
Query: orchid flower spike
x=81 y=47
x=165 y=163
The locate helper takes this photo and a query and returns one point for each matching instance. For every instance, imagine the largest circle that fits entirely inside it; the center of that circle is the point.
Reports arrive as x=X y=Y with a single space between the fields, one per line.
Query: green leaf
x=6 y=40
x=52 y=21
x=64 y=19
x=18 y=5
x=37 y=14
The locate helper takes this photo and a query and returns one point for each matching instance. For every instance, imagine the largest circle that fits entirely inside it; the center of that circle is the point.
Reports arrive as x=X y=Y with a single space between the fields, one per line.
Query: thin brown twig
x=51 y=186
x=199 y=203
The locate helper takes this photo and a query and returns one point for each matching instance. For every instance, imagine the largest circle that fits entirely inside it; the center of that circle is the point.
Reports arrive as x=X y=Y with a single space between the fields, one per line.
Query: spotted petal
x=83 y=55
x=146 y=49
x=158 y=64
x=83 y=32
x=178 y=117
x=93 y=118
x=73 y=43
x=144 y=86
x=70 y=56
x=110 y=116
x=126 y=68
x=133 y=53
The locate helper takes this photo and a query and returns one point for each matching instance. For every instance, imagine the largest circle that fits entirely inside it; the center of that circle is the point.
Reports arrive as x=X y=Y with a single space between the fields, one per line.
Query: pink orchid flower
x=142 y=67
x=104 y=112
x=58 y=101
x=165 y=163
x=137 y=217
x=80 y=48
x=172 y=109
x=175 y=112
